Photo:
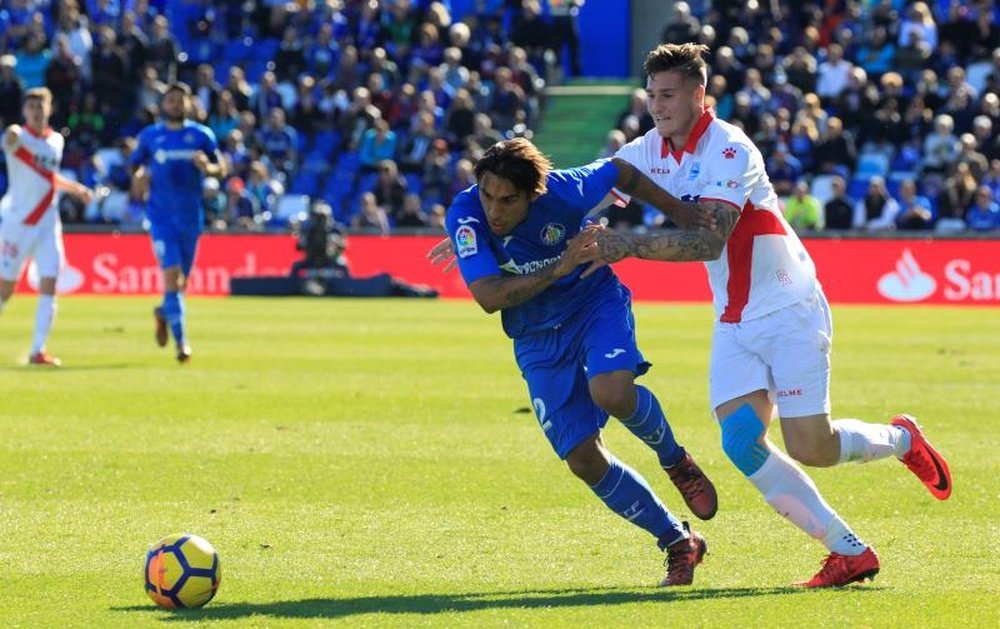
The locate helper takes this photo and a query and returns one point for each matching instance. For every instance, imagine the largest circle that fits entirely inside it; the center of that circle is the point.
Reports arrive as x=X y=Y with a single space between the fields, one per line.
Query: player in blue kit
x=173 y=156
x=519 y=237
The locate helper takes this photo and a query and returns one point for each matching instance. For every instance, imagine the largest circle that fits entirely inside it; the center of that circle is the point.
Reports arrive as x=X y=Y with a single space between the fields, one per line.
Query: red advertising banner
x=867 y=271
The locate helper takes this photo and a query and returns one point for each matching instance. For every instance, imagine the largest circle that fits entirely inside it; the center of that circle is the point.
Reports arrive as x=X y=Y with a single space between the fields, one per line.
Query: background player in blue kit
x=173 y=156
x=519 y=236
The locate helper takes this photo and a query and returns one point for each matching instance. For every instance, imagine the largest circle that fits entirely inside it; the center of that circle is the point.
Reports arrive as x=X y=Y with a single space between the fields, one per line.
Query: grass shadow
x=469 y=602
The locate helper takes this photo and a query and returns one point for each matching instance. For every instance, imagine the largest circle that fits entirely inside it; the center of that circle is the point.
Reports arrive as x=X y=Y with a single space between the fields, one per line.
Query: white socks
x=864 y=442
x=44 y=315
x=794 y=495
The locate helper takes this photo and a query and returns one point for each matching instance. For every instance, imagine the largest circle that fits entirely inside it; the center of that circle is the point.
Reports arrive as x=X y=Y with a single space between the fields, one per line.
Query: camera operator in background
x=325 y=269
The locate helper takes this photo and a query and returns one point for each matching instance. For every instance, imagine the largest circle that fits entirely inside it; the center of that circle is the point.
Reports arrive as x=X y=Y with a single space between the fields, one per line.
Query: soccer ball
x=182 y=571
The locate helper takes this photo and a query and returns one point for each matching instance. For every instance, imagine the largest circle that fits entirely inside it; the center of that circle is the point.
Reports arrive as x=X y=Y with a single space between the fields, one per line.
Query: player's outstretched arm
x=76 y=189
x=670 y=245
x=443 y=253
x=498 y=292
x=685 y=215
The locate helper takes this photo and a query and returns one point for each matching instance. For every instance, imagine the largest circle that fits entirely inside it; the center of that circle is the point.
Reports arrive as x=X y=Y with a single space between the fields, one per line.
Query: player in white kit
x=29 y=218
x=771 y=342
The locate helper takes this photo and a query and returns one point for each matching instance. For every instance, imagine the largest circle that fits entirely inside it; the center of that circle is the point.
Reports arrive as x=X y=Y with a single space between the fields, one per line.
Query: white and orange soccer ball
x=182 y=570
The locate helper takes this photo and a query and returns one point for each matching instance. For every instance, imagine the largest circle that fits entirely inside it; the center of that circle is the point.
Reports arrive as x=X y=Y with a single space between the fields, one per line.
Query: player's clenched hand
x=201 y=161
x=11 y=137
x=442 y=253
x=84 y=193
x=609 y=247
x=580 y=249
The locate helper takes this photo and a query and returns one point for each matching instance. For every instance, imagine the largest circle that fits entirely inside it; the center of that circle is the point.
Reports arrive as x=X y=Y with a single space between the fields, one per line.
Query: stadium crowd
x=377 y=107
x=872 y=115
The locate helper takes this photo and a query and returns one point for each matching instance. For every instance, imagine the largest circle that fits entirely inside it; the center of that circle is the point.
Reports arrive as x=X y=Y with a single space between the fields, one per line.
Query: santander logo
x=908 y=282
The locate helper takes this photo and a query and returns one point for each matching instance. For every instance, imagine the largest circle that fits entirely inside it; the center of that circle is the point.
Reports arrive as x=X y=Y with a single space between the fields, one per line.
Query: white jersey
x=764 y=266
x=31 y=169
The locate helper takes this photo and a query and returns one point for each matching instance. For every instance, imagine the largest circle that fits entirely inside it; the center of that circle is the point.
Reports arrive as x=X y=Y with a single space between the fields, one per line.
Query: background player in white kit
x=29 y=218
x=771 y=342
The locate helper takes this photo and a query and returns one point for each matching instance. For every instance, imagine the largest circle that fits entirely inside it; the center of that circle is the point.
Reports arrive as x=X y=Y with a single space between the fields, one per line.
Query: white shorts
x=43 y=242
x=786 y=352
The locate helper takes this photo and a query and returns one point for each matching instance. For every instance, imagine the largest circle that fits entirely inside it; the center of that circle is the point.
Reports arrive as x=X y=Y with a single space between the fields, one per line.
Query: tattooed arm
x=669 y=245
x=685 y=215
x=498 y=292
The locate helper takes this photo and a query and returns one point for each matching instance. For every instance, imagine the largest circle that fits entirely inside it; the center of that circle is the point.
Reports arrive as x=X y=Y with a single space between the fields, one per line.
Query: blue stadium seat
x=857 y=187
x=414 y=183
x=305 y=182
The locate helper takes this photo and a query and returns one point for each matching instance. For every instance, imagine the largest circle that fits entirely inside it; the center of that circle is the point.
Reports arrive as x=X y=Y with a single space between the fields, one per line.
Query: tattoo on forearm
x=674 y=245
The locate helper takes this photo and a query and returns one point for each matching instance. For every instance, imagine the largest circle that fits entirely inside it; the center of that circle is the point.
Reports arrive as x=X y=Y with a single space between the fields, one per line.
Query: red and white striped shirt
x=31 y=171
x=764 y=266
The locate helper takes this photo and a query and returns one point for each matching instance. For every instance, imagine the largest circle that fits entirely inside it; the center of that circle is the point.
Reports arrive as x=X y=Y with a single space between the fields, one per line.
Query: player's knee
x=616 y=395
x=741 y=434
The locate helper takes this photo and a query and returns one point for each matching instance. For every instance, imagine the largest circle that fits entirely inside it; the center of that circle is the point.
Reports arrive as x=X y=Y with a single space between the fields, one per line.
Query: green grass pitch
x=373 y=463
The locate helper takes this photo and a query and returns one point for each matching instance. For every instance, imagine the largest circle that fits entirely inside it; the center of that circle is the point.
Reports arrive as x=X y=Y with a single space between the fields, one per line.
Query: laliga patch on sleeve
x=465 y=241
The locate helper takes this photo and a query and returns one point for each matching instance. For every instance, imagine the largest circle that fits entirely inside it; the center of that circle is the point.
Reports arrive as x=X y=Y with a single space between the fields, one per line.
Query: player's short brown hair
x=686 y=59
x=39 y=93
x=518 y=161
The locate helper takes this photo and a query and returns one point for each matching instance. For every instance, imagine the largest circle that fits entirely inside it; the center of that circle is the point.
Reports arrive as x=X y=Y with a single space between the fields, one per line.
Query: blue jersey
x=175 y=182
x=535 y=243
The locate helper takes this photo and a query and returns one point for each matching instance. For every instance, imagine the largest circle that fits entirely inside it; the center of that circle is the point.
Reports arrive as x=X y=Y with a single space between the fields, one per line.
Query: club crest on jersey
x=465 y=242
x=729 y=152
x=694 y=172
x=553 y=233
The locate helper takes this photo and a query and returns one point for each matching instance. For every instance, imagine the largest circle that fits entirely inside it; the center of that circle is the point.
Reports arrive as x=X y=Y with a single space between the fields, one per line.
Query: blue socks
x=627 y=494
x=173 y=311
x=650 y=424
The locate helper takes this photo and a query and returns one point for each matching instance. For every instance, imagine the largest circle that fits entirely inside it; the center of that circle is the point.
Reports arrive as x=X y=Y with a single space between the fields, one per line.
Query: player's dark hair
x=39 y=93
x=519 y=162
x=686 y=59
x=178 y=86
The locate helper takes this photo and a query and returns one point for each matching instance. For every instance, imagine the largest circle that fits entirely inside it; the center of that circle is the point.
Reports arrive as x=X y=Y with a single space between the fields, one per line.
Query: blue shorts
x=557 y=365
x=174 y=246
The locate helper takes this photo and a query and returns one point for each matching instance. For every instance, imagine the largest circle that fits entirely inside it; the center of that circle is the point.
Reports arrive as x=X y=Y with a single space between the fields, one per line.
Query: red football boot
x=697 y=490
x=923 y=460
x=840 y=570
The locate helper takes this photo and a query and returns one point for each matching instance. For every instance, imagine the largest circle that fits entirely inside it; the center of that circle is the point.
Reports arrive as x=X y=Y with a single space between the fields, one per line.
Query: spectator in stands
x=370 y=217
x=151 y=89
x=800 y=69
x=86 y=126
x=919 y=23
x=784 y=170
x=399 y=29
x=968 y=154
x=915 y=210
x=509 y=100
x=956 y=196
x=206 y=89
x=390 y=188
x=877 y=54
x=717 y=93
x=111 y=82
x=238 y=86
x=992 y=179
x=637 y=108
x=225 y=116
x=984 y=212
x=802 y=210
x=940 y=146
x=11 y=91
x=74 y=27
x=290 y=59
x=459 y=123
x=412 y=214
x=529 y=31
x=833 y=74
x=437 y=171
x=359 y=116
x=483 y=133
x=913 y=57
x=613 y=141
x=436 y=216
x=464 y=178
x=134 y=44
x=63 y=78
x=378 y=144
x=163 y=51
x=682 y=27
x=455 y=74
x=33 y=59
x=213 y=203
x=279 y=142
x=429 y=52
x=877 y=210
x=266 y=97
x=838 y=212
